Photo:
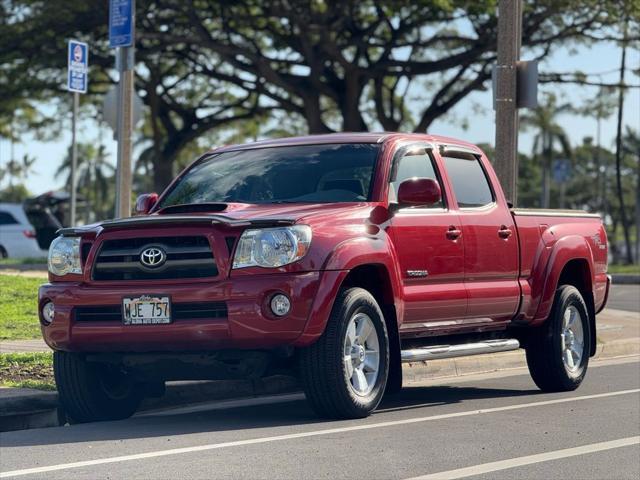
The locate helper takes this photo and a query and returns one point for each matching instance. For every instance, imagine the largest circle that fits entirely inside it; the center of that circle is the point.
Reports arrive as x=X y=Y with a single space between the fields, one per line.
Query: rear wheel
x=558 y=354
x=345 y=372
x=92 y=392
x=3 y=252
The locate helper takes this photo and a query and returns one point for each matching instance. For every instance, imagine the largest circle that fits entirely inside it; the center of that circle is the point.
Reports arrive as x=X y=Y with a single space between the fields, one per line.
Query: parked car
x=337 y=256
x=18 y=238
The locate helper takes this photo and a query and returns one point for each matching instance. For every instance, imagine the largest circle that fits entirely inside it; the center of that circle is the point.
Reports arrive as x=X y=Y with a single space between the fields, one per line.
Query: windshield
x=301 y=173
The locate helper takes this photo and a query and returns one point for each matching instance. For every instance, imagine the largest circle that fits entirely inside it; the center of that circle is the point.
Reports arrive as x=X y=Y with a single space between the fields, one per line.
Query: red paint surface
x=479 y=277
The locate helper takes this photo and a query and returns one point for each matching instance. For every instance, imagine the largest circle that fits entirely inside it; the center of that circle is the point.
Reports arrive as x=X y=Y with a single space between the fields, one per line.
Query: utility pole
x=506 y=78
x=125 y=131
x=122 y=36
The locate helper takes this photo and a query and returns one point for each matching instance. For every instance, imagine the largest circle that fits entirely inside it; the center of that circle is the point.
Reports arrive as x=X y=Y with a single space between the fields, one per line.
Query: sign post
x=77 y=82
x=121 y=36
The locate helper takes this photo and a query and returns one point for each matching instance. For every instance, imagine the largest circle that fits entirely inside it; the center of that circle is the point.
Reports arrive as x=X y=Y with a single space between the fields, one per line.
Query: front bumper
x=248 y=324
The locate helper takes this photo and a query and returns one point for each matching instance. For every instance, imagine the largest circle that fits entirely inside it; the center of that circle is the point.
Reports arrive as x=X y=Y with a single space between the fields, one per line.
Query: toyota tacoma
x=337 y=257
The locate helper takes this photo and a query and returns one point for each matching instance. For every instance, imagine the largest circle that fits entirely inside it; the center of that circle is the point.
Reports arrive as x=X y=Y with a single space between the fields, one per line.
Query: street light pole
x=509 y=39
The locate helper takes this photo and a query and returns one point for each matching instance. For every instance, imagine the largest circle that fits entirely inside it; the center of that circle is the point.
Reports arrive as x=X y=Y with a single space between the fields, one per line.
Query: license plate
x=146 y=310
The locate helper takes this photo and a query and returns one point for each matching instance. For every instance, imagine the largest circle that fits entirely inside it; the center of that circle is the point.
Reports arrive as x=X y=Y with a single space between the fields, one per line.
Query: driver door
x=429 y=245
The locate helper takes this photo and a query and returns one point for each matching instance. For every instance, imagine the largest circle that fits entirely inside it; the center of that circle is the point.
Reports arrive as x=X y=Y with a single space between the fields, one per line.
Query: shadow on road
x=244 y=422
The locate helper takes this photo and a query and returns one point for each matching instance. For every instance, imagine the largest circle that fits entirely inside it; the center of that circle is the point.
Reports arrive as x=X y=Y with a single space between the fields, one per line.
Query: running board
x=462 y=350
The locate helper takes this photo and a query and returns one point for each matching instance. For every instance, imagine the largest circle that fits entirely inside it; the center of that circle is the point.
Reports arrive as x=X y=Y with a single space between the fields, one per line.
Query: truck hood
x=243 y=215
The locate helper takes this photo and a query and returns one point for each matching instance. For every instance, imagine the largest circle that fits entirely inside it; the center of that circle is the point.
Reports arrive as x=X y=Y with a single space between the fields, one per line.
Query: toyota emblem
x=152 y=257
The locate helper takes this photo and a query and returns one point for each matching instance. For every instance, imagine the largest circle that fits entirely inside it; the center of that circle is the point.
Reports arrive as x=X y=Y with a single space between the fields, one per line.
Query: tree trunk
x=162 y=171
x=623 y=212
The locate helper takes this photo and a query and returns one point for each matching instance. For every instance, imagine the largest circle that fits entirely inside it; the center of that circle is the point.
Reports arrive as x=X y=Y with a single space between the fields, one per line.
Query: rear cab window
x=468 y=179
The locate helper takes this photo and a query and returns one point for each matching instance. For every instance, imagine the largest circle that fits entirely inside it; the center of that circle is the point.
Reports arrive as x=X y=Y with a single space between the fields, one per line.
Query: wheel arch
x=578 y=273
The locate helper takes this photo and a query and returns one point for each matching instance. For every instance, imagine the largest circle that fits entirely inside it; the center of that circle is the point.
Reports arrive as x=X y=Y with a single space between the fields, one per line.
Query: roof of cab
x=347 y=137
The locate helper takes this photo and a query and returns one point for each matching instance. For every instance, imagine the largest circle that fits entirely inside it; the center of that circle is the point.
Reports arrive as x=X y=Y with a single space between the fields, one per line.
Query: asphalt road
x=624 y=297
x=488 y=426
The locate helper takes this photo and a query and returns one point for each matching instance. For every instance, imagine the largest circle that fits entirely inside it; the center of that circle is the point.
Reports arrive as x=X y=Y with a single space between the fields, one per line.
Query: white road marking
x=529 y=459
x=316 y=433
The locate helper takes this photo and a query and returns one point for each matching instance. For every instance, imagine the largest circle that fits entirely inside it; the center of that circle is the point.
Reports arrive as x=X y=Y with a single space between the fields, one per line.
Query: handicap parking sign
x=78 y=67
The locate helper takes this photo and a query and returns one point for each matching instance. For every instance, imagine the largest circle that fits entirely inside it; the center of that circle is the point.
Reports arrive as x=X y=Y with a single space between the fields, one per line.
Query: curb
x=625 y=279
x=37 y=409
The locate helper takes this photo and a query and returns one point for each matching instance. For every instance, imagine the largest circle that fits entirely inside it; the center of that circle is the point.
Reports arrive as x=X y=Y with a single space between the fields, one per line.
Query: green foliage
x=14 y=194
x=209 y=66
x=19 y=307
x=94 y=179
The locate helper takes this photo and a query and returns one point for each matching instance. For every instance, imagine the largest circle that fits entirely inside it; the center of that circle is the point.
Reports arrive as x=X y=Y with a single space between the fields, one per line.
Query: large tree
x=204 y=65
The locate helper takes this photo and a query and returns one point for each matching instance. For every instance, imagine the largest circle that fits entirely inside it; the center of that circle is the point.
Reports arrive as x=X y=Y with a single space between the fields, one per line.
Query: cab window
x=468 y=179
x=413 y=164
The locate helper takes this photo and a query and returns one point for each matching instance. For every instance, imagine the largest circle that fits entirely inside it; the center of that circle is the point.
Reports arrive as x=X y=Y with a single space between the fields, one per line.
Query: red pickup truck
x=337 y=257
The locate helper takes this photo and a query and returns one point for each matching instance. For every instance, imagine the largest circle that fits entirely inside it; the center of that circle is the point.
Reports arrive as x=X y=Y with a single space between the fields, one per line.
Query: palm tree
x=94 y=177
x=549 y=134
x=631 y=147
x=601 y=107
x=18 y=170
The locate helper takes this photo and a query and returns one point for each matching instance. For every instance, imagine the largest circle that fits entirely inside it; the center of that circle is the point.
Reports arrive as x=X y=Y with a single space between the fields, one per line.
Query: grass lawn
x=634 y=269
x=19 y=307
x=28 y=370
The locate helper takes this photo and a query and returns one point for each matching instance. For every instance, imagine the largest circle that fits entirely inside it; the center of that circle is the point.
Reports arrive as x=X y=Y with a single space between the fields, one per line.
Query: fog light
x=48 y=311
x=280 y=305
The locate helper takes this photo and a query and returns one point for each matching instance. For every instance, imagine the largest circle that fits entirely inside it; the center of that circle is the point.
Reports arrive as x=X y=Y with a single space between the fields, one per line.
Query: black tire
x=323 y=371
x=91 y=392
x=3 y=252
x=545 y=346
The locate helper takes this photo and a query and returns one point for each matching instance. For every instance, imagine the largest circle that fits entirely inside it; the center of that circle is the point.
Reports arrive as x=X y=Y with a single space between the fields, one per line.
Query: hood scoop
x=195 y=208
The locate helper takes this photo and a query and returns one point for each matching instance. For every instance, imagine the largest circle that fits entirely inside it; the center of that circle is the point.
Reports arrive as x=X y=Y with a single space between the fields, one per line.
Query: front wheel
x=558 y=353
x=91 y=392
x=345 y=372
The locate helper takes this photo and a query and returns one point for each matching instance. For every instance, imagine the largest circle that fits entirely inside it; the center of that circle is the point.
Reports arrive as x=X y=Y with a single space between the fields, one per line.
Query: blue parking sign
x=120 y=23
x=78 y=67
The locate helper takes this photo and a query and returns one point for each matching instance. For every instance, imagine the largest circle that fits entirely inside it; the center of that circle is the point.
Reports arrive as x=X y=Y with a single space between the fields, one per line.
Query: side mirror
x=145 y=203
x=422 y=192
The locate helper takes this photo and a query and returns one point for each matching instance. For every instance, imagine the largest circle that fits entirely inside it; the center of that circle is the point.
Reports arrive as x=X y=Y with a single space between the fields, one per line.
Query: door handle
x=453 y=233
x=504 y=232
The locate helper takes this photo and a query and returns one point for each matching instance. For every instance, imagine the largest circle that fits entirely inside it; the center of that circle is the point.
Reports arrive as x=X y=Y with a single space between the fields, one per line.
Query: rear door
x=429 y=248
x=490 y=240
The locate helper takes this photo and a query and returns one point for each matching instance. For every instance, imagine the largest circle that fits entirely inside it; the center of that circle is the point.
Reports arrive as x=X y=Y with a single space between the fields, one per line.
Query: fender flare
x=345 y=257
x=566 y=249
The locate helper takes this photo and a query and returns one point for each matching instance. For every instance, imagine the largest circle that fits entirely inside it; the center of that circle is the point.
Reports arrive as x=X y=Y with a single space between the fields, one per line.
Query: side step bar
x=462 y=350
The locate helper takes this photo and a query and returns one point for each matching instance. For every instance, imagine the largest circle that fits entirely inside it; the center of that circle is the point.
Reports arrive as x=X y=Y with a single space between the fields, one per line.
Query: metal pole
x=509 y=38
x=125 y=131
x=74 y=158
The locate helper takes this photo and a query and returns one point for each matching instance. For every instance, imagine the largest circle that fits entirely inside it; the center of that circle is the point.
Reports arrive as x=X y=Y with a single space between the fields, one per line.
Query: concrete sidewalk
x=20 y=346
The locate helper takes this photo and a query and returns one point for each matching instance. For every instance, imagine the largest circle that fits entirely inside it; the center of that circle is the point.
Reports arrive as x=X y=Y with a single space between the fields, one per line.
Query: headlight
x=272 y=247
x=64 y=256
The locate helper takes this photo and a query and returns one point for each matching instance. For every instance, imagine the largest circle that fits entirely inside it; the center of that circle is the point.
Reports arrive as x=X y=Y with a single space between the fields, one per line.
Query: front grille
x=179 y=311
x=186 y=257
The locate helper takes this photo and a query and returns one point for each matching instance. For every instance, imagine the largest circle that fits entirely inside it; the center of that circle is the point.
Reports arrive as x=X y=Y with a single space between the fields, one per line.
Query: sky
x=595 y=59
